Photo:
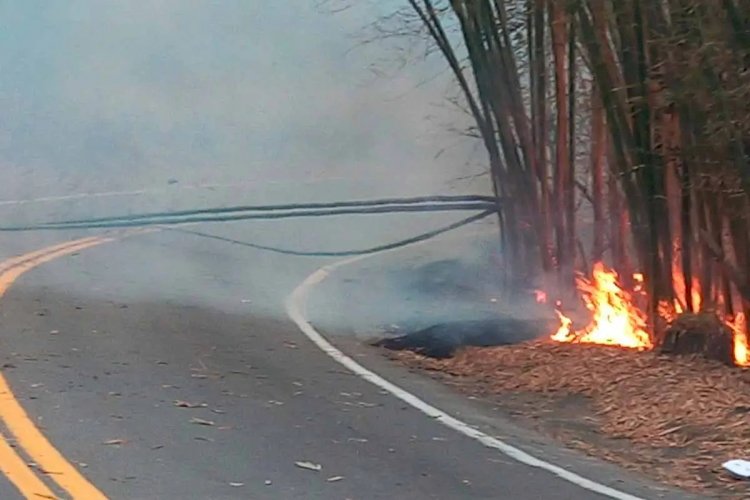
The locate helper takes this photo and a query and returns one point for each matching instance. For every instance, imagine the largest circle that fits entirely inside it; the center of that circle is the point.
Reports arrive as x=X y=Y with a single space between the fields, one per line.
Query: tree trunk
x=559 y=30
x=598 y=148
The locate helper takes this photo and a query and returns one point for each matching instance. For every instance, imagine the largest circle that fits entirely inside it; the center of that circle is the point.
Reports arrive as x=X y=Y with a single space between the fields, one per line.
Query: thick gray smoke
x=269 y=102
x=124 y=95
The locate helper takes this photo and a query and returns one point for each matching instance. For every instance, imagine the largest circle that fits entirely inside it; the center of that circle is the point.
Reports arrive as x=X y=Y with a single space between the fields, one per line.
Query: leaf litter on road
x=201 y=421
x=187 y=404
x=309 y=466
x=114 y=442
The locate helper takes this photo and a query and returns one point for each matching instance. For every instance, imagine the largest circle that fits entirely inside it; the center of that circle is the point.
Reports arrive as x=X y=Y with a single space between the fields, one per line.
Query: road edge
x=296 y=308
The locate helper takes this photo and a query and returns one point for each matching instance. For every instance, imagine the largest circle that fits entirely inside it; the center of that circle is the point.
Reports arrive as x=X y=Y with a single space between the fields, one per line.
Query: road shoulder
x=494 y=420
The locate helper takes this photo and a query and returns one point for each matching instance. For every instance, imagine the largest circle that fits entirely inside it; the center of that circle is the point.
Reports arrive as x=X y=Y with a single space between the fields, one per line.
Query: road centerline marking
x=18 y=472
x=17 y=421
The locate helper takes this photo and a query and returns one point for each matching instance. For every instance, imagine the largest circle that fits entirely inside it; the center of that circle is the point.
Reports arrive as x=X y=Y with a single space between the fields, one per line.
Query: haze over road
x=99 y=346
x=163 y=365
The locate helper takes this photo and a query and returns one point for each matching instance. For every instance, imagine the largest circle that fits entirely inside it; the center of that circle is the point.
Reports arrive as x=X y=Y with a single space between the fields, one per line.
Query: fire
x=563 y=333
x=678 y=284
x=737 y=324
x=741 y=347
x=638 y=282
x=667 y=311
x=540 y=296
x=616 y=321
x=696 y=294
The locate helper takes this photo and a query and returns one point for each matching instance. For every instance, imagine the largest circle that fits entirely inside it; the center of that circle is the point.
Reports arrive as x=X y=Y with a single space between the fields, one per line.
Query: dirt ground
x=675 y=419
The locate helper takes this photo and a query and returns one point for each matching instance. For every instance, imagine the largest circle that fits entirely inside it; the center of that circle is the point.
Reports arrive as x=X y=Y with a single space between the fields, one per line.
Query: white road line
x=108 y=194
x=296 y=306
x=243 y=184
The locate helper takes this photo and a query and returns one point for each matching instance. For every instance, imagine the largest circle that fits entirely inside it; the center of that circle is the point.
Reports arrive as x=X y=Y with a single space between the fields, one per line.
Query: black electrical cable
x=353 y=210
x=487 y=204
x=439 y=199
x=343 y=253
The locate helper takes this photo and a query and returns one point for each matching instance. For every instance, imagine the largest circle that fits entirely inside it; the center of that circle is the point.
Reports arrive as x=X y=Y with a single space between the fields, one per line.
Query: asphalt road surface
x=162 y=366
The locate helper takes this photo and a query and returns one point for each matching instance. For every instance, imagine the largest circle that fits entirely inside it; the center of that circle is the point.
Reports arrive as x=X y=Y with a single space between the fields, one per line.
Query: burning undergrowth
x=615 y=317
x=677 y=418
x=618 y=318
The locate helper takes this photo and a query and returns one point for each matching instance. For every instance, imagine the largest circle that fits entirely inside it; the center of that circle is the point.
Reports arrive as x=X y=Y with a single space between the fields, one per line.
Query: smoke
x=270 y=101
x=124 y=95
x=455 y=280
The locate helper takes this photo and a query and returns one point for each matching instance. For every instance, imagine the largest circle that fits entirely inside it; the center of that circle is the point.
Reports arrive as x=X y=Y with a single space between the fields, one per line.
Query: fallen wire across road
x=485 y=205
x=442 y=200
x=261 y=212
x=157 y=221
x=343 y=253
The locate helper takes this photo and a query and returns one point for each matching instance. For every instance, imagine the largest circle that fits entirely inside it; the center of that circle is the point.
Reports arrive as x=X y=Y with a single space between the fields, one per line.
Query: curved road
x=159 y=367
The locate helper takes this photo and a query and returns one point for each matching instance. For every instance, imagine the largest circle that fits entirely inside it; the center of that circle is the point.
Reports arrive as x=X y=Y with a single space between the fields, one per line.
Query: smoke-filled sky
x=122 y=94
x=276 y=97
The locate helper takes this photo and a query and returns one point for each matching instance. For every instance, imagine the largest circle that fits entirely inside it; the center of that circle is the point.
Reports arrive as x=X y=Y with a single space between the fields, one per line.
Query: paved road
x=99 y=345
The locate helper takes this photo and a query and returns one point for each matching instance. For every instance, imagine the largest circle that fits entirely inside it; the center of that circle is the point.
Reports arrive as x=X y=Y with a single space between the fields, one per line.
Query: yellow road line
x=20 y=474
x=17 y=421
x=14 y=261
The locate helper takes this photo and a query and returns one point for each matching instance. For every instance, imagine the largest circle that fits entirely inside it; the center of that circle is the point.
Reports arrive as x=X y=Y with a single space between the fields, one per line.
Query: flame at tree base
x=618 y=321
x=741 y=347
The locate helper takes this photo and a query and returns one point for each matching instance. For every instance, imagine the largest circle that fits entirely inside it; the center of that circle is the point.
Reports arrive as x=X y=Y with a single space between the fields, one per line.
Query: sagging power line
x=485 y=205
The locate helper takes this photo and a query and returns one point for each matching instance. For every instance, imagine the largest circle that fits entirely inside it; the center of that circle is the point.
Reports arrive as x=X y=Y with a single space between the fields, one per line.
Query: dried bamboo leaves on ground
x=675 y=418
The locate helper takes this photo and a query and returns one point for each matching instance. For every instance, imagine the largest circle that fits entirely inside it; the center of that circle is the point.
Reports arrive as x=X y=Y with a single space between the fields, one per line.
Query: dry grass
x=683 y=417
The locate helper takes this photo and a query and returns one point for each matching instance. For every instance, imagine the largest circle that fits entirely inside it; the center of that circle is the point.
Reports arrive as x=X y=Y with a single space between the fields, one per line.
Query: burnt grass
x=444 y=339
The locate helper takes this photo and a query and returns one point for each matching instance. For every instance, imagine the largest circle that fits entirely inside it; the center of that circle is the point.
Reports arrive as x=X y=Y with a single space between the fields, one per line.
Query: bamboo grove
x=616 y=130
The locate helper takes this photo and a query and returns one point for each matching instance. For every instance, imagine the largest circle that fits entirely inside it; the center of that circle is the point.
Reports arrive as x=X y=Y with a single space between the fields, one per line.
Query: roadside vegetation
x=616 y=134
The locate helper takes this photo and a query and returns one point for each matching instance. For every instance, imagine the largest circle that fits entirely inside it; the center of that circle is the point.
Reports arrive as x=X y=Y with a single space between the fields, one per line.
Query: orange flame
x=680 y=290
x=616 y=321
x=696 y=294
x=563 y=334
x=638 y=282
x=741 y=347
